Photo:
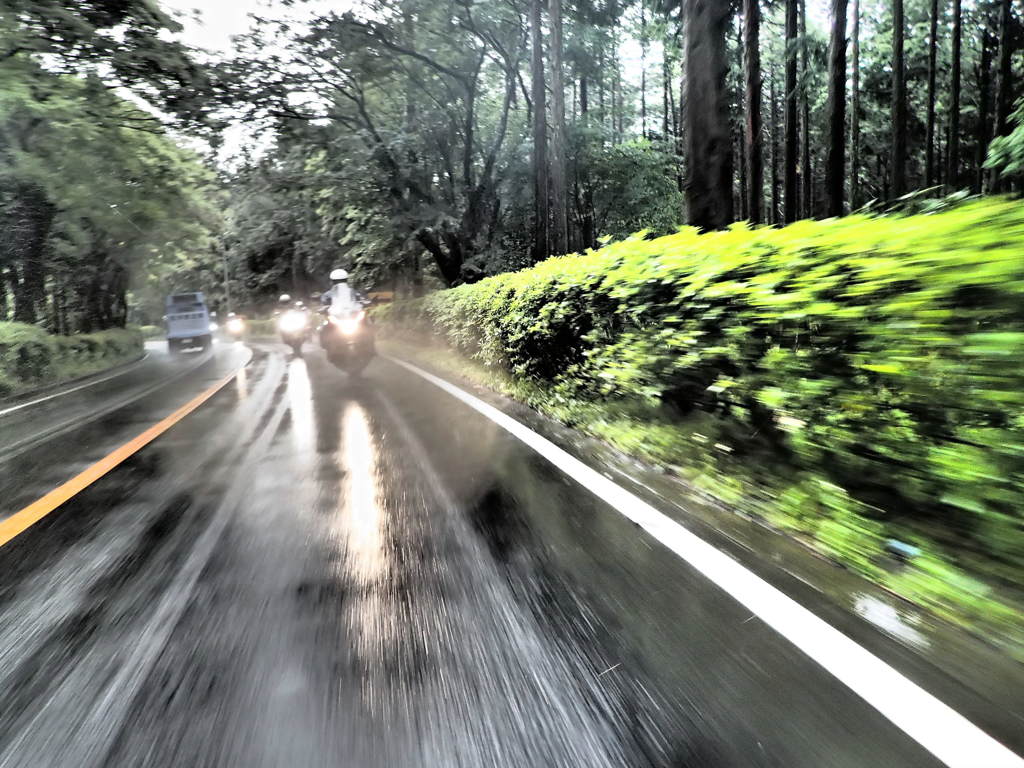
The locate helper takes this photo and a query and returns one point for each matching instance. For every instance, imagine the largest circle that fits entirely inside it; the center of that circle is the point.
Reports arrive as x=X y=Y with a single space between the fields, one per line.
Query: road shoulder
x=966 y=671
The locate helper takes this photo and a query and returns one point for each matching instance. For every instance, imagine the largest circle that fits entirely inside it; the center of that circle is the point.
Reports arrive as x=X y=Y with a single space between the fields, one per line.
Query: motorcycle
x=294 y=328
x=347 y=337
x=234 y=327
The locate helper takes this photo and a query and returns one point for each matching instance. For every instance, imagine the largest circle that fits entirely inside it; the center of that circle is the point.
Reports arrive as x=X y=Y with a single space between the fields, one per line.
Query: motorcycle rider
x=283 y=304
x=341 y=296
x=341 y=299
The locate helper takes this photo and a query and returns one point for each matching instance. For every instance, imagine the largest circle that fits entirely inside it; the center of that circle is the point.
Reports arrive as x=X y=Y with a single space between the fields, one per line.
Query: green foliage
x=262 y=327
x=634 y=189
x=95 y=196
x=873 y=363
x=76 y=228
x=31 y=357
x=1006 y=153
x=129 y=41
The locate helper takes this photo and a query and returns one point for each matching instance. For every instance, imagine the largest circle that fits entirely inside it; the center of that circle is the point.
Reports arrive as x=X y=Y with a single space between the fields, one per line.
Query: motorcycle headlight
x=349 y=326
x=236 y=325
x=213 y=327
x=291 y=322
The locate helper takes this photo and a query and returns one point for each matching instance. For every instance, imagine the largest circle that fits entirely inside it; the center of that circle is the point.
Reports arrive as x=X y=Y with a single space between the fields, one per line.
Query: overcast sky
x=218 y=20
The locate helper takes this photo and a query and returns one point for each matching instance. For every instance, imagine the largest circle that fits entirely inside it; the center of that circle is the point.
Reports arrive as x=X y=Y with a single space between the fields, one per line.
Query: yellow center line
x=37 y=510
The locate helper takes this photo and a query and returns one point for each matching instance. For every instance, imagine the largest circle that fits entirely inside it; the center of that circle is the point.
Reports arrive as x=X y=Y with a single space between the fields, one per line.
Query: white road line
x=941 y=730
x=87 y=384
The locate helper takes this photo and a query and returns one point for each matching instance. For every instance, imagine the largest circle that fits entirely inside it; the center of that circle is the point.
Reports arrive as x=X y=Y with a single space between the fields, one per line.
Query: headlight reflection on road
x=361 y=513
x=300 y=402
x=242 y=385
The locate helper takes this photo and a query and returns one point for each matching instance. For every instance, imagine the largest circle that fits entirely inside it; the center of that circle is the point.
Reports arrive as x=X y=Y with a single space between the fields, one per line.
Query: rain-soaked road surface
x=313 y=571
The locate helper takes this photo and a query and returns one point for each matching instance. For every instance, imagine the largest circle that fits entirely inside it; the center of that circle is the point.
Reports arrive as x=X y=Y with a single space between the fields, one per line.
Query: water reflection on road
x=360 y=507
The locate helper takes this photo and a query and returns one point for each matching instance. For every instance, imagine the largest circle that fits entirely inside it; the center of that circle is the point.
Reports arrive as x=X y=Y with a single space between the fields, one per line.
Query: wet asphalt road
x=317 y=571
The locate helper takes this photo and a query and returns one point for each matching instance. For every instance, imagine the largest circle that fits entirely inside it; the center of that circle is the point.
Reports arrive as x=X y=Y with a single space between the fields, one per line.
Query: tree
x=933 y=17
x=541 y=244
x=953 y=153
x=559 y=191
x=589 y=239
x=898 y=156
x=441 y=185
x=643 y=68
x=984 y=106
x=709 y=188
x=753 y=134
x=77 y=227
x=1004 y=85
x=91 y=187
x=789 y=189
x=807 y=174
x=126 y=40
x=855 y=201
x=835 y=168
x=774 y=216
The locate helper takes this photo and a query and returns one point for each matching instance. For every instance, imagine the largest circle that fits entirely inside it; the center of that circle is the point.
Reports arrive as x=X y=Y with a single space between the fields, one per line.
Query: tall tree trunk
x=1004 y=86
x=666 y=86
x=24 y=301
x=601 y=106
x=680 y=114
x=953 y=142
x=930 y=176
x=540 y=137
x=589 y=238
x=616 y=95
x=789 y=191
x=739 y=198
x=754 y=151
x=559 y=189
x=737 y=118
x=23 y=243
x=411 y=88
x=835 y=167
x=984 y=105
x=806 y=172
x=774 y=217
x=678 y=120
x=709 y=149
x=898 y=160
x=855 y=201
x=643 y=69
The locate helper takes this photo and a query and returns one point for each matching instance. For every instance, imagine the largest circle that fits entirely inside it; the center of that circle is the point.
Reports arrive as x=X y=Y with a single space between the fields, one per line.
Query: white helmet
x=339 y=276
x=285 y=298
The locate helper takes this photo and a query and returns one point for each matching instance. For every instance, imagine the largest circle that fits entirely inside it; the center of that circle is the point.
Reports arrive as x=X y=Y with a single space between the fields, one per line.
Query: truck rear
x=188 y=322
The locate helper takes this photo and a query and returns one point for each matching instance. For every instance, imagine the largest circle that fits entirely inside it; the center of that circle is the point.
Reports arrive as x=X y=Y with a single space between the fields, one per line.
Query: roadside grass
x=31 y=358
x=807 y=507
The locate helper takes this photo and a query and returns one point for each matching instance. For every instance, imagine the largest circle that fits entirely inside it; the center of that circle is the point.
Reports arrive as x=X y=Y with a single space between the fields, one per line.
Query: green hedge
x=853 y=379
x=262 y=327
x=30 y=357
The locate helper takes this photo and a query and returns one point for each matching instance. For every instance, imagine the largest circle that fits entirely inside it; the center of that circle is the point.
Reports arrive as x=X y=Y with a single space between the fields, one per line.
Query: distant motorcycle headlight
x=291 y=322
x=236 y=325
x=213 y=327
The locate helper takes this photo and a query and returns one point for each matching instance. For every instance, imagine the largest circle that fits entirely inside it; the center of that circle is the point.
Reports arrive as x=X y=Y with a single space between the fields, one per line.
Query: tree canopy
x=435 y=143
x=94 y=192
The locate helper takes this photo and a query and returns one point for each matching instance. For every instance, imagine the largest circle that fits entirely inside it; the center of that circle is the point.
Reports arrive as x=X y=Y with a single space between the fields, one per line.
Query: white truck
x=188 y=322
